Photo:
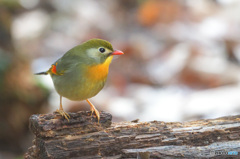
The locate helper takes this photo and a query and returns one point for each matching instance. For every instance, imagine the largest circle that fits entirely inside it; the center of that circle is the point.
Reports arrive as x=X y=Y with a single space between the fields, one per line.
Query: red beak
x=117 y=52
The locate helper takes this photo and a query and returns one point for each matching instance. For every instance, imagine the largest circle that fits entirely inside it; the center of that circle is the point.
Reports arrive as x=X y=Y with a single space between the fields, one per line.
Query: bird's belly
x=77 y=88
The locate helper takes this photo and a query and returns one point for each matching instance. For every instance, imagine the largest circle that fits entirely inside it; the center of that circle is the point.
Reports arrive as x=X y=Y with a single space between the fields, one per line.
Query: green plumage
x=73 y=65
x=82 y=72
x=78 y=55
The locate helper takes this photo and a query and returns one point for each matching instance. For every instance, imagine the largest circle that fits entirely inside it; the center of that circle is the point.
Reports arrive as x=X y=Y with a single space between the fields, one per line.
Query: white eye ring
x=101 y=49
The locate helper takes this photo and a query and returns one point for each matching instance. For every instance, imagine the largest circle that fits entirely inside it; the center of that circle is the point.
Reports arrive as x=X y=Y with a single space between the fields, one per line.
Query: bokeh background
x=181 y=60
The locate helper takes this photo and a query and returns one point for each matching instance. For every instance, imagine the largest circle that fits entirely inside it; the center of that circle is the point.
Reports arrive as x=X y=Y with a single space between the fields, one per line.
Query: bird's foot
x=96 y=113
x=93 y=109
x=63 y=113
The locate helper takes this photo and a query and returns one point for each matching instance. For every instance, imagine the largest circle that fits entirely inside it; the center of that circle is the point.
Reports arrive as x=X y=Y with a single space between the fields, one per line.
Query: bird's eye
x=102 y=50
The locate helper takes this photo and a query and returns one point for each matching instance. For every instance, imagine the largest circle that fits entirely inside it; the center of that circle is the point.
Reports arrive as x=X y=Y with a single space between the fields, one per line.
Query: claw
x=93 y=109
x=64 y=114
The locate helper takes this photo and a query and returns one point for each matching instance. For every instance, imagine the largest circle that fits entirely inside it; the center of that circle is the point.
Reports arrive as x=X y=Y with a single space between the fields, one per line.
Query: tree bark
x=84 y=137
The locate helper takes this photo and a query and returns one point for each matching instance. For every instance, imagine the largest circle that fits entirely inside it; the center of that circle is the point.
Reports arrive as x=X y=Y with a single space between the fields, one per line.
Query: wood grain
x=84 y=137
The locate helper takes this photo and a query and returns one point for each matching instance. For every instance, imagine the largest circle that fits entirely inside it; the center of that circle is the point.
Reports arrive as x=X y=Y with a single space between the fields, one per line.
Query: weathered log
x=84 y=137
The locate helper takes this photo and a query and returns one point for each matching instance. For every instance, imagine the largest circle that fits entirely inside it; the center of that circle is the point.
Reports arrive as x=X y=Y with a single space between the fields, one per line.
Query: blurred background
x=181 y=60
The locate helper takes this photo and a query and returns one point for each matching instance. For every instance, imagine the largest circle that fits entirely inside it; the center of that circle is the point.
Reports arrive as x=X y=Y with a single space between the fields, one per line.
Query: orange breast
x=99 y=72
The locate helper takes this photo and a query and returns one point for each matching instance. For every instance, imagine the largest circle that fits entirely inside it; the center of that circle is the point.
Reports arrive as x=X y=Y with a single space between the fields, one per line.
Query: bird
x=81 y=72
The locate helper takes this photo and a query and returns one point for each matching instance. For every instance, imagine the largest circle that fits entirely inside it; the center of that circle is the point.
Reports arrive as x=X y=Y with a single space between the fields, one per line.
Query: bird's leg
x=62 y=112
x=93 y=109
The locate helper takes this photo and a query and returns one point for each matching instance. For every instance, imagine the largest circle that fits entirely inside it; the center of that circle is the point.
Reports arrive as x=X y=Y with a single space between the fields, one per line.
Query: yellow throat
x=99 y=72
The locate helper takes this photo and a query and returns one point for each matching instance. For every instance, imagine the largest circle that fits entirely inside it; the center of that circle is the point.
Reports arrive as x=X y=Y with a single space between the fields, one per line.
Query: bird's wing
x=63 y=64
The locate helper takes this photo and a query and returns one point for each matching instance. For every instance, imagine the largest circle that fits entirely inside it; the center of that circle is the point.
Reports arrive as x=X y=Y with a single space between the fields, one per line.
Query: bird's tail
x=41 y=73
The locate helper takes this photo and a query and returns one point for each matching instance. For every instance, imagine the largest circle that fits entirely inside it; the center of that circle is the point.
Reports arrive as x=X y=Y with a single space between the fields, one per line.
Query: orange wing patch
x=53 y=70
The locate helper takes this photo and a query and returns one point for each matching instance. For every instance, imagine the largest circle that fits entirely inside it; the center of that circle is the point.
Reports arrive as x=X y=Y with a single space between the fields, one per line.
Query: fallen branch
x=84 y=137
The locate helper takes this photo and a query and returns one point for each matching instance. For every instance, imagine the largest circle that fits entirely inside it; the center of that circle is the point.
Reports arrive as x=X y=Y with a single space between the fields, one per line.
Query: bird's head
x=99 y=51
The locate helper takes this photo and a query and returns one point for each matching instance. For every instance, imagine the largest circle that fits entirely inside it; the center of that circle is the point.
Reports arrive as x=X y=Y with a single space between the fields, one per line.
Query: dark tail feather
x=41 y=73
